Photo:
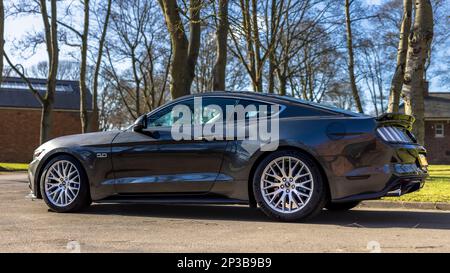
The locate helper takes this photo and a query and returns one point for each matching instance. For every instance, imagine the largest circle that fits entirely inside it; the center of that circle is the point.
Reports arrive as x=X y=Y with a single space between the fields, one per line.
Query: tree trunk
x=83 y=88
x=47 y=29
x=2 y=38
x=418 y=48
x=351 y=61
x=271 y=76
x=247 y=28
x=397 y=79
x=137 y=80
x=221 y=43
x=180 y=48
x=258 y=60
x=185 y=53
x=51 y=40
x=273 y=33
x=46 y=121
x=194 y=41
x=283 y=83
x=95 y=112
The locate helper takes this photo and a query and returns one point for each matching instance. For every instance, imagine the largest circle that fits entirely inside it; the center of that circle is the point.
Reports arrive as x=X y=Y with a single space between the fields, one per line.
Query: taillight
x=395 y=134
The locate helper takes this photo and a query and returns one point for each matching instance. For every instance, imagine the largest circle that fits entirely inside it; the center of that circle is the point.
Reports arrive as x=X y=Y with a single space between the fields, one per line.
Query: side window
x=214 y=109
x=161 y=121
x=255 y=109
x=165 y=117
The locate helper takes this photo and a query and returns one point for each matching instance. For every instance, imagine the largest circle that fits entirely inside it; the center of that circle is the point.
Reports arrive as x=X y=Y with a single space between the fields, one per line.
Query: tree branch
x=23 y=77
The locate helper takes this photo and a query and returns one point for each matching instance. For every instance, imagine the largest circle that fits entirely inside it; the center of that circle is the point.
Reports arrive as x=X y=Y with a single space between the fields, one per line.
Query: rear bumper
x=399 y=174
x=396 y=186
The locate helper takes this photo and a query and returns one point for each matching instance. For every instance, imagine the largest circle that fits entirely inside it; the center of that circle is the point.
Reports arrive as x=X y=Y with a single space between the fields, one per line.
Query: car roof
x=268 y=97
x=273 y=98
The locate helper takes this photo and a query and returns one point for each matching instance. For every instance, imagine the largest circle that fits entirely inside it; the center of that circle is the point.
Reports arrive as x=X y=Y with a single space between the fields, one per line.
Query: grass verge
x=13 y=167
x=436 y=189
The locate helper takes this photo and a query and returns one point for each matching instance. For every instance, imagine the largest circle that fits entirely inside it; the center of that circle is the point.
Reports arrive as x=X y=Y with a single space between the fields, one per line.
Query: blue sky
x=18 y=27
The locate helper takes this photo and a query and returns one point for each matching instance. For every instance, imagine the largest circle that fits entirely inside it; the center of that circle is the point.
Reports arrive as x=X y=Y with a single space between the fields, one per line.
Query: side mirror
x=140 y=123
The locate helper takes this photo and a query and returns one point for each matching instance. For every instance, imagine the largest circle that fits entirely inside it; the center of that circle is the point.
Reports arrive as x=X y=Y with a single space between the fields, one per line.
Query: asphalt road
x=27 y=226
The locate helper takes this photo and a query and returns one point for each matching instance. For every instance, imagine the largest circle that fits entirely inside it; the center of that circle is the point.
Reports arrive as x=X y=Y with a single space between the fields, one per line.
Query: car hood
x=89 y=139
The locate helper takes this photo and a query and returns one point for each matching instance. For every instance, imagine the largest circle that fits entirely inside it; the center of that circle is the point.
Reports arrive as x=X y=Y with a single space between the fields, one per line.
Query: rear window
x=325 y=107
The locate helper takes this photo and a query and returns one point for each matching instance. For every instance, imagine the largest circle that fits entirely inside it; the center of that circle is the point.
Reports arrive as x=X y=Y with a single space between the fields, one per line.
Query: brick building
x=20 y=115
x=437 y=126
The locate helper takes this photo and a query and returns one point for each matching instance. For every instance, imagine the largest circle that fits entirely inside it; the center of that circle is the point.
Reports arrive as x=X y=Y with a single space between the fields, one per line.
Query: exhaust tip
x=397 y=192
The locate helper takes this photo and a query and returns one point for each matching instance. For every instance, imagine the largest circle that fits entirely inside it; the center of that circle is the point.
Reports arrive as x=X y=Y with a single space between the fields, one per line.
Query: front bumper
x=32 y=181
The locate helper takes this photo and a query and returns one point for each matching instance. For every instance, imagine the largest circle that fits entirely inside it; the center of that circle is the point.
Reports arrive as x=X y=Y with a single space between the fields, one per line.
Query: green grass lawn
x=436 y=189
x=13 y=167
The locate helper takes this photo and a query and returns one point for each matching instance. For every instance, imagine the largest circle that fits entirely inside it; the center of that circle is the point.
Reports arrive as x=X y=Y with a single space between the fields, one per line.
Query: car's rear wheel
x=288 y=186
x=64 y=185
x=342 y=206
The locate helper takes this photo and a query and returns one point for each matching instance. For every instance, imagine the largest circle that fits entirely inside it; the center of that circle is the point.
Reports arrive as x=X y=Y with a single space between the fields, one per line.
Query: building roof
x=437 y=105
x=15 y=93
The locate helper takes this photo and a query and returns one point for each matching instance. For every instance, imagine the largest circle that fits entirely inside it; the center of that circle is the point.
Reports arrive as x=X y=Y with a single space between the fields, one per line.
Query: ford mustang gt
x=319 y=157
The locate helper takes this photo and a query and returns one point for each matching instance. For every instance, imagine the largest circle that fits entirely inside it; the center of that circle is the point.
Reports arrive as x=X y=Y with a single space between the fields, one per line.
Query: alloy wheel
x=287 y=184
x=62 y=183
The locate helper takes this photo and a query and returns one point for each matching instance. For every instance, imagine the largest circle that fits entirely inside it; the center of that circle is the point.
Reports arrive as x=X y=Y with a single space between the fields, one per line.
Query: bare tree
x=51 y=41
x=98 y=63
x=397 y=79
x=67 y=70
x=340 y=95
x=139 y=42
x=221 y=46
x=372 y=73
x=419 y=44
x=83 y=64
x=207 y=59
x=247 y=42
x=51 y=38
x=185 y=51
x=302 y=45
x=351 y=61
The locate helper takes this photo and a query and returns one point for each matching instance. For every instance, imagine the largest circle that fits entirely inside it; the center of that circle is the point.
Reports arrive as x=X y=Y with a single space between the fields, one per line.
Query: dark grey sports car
x=322 y=157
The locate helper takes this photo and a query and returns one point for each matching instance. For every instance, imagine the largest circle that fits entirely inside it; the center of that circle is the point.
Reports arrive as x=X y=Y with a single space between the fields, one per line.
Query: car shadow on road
x=360 y=218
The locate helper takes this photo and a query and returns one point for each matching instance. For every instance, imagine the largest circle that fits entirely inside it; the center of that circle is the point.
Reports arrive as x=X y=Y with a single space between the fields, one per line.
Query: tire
x=295 y=206
x=64 y=185
x=342 y=206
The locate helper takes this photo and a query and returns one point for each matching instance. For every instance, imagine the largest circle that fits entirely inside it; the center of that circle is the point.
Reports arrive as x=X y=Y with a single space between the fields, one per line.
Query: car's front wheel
x=288 y=186
x=64 y=185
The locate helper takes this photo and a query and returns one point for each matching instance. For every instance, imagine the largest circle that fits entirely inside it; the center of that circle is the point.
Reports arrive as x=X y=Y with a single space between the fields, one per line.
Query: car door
x=153 y=161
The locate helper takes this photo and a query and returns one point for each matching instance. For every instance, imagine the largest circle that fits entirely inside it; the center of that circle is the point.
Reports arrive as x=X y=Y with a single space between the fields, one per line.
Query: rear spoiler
x=396 y=119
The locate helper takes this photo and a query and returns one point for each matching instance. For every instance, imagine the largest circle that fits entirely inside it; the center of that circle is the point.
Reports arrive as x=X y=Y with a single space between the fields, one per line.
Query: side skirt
x=181 y=199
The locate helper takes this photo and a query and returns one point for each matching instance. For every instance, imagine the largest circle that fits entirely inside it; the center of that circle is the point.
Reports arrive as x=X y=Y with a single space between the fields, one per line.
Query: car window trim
x=238 y=99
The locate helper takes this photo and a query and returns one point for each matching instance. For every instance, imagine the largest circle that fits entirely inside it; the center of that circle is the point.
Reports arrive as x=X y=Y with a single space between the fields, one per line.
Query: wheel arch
x=261 y=157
